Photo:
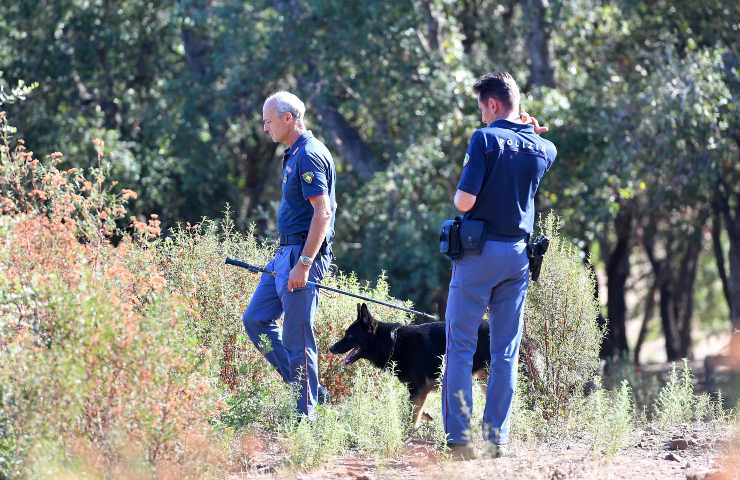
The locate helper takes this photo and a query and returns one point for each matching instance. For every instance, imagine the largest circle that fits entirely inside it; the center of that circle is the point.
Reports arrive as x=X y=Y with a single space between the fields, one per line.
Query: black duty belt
x=293 y=239
x=505 y=238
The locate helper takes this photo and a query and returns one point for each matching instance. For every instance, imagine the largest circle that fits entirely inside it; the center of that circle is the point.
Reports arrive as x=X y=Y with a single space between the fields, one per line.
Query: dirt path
x=684 y=453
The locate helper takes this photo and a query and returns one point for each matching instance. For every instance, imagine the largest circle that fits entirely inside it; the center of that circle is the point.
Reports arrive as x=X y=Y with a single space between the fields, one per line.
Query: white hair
x=287 y=102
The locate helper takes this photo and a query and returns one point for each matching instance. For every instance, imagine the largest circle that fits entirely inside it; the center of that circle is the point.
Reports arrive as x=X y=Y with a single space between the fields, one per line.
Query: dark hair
x=498 y=85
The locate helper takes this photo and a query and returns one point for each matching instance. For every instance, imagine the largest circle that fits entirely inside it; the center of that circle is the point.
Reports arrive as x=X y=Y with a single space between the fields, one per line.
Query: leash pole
x=256 y=269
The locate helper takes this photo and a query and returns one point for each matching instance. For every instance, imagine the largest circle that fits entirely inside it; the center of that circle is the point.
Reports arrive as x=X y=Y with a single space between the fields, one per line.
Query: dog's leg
x=417 y=400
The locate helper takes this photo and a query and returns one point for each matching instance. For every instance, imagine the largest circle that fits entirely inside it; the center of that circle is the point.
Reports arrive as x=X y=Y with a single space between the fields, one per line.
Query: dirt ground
x=686 y=452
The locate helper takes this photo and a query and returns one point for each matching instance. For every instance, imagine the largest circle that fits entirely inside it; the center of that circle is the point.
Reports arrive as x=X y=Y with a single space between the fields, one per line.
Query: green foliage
x=377 y=414
x=610 y=418
x=374 y=420
x=676 y=400
x=192 y=259
x=39 y=187
x=403 y=206
x=267 y=404
x=311 y=443
x=165 y=98
x=678 y=403
x=16 y=94
x=561 y=337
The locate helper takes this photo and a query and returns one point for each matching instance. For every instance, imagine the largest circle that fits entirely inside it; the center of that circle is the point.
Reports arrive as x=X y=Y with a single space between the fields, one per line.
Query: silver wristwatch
x=306 y=261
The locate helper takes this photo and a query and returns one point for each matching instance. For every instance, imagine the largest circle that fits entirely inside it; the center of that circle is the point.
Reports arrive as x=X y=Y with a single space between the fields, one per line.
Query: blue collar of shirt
x=300 y=141
x=302 y=138
x=517 y=127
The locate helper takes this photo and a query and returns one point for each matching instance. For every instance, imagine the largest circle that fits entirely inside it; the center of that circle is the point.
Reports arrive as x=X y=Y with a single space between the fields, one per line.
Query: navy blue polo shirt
x=308 y=170
x=503 y=167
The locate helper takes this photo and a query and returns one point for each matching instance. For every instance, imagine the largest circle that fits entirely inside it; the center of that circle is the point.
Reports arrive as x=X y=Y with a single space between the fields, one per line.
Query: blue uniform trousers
x=497 y=278
x=291 y=349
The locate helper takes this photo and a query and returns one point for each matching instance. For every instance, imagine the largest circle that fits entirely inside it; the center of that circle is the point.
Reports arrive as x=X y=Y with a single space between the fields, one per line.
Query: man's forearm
x=320 y=222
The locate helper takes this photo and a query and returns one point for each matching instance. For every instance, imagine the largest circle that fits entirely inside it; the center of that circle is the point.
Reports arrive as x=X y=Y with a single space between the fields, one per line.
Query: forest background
x=640 y=98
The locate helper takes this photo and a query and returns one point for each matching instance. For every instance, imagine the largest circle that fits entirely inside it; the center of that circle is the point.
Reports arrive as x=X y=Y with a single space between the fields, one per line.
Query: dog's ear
x=359 y=310
x=368 y=319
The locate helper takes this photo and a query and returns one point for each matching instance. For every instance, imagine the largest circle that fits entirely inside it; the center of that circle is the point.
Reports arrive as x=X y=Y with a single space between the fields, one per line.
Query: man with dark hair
x=502 y=170
x=306 y=224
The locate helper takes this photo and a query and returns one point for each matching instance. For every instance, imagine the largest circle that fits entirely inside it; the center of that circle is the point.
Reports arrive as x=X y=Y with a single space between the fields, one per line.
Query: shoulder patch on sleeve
x=466 y=159
x=308 y=177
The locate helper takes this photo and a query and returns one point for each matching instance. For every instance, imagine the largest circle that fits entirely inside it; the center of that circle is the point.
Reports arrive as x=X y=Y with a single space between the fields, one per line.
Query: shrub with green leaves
x=561 y=340
x=312 y=442
x=677 y=402
x=609 y=418
x=377 y=414
x=374 y=420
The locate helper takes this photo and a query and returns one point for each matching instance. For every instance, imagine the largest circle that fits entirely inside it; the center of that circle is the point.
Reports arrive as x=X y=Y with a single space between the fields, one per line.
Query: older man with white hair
x=306 y=225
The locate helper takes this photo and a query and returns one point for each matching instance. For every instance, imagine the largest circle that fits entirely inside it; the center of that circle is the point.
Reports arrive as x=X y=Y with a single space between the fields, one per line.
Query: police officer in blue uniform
x=306 y=225
x=503 y=167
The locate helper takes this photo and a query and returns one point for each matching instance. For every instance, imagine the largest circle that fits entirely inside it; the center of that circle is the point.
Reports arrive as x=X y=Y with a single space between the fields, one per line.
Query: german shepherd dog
x=416 y=351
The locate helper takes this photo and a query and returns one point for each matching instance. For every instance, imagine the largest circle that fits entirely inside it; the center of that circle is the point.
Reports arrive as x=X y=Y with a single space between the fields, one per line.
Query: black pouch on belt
x=473 y=235
x=459 y=236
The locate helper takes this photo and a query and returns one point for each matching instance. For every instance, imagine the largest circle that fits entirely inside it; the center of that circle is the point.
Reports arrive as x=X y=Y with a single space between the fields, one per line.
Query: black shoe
x=324 y=396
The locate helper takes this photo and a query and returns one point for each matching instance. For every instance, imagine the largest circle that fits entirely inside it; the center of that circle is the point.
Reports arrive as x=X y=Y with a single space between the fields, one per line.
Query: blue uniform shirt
x=503 y=167
x=308 y=170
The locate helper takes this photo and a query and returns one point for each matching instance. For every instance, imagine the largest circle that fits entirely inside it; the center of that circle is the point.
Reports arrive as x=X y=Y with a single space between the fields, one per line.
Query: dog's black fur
x=416 y=351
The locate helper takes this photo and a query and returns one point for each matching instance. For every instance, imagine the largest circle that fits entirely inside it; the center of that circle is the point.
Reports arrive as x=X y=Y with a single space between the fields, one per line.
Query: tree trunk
x=346 y=139
x=195 y=42
x=538 y=44
x=677 y=303
x=600 y=319
x=254 y=167
x=432 y=36
x=647 y=316
x=675 y=275
x=719 y=254
x=617 y=271
x=732 y=288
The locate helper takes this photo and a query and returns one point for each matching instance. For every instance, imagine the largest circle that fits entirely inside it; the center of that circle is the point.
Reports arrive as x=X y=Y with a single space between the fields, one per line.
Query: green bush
x=374 y=419
x=313 y=442
x=267 y=405
x=677 y=402
x=609 y=418
x=561 y=337
x=377 y=414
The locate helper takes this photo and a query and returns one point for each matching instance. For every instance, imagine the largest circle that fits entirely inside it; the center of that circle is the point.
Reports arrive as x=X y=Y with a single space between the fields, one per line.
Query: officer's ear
x=496 y=106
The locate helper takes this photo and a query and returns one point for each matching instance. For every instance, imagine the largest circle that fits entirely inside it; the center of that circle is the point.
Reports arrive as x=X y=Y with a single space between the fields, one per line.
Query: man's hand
x=298 y=276
x=527 y=118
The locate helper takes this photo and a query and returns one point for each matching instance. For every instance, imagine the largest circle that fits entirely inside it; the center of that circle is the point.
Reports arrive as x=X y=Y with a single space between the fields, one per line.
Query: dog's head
x=358 y=337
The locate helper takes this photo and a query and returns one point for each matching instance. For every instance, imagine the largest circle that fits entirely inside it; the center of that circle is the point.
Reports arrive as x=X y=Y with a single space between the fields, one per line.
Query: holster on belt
x=536 y=250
